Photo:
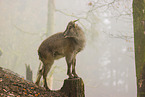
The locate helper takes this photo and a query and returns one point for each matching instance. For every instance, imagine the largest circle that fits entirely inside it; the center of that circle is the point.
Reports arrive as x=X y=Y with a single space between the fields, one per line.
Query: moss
x=139 y=41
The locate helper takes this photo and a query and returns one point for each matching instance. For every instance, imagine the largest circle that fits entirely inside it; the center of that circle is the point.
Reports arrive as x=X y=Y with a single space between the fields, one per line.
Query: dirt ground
x=12 y=85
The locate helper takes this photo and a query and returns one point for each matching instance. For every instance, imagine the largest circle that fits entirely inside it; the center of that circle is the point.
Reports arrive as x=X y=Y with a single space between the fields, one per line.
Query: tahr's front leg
x=69 y=63
x=69 y=71
x=73 y=68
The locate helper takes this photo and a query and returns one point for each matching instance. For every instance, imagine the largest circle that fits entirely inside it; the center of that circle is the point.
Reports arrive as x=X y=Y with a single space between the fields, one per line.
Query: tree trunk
x=73 y=87
x=139 y=42
x=50 y=18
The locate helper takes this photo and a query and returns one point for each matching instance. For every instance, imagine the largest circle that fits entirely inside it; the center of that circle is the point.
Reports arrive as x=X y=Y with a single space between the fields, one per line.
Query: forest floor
x=12 y=85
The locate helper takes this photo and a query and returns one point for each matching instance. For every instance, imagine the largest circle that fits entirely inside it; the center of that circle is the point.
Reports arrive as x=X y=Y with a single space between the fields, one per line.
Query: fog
x=106 y=64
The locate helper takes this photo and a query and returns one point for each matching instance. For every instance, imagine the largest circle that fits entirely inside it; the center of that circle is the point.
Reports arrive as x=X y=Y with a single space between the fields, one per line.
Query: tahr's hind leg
x=39 y=76
x=47 y=67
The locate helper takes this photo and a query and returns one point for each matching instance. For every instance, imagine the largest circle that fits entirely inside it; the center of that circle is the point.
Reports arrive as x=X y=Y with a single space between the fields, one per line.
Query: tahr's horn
x=75 y=20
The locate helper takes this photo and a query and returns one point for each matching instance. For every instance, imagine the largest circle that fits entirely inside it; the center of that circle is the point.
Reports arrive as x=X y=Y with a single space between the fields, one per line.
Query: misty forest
x=112 y=64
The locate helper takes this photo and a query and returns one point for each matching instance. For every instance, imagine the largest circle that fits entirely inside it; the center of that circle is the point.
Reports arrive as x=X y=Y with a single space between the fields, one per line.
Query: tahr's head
x=71 y=29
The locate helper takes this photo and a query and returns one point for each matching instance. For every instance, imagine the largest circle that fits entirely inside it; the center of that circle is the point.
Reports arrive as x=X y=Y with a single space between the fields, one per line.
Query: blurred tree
x=0 y=52
x=50 y=19
x=139 y=41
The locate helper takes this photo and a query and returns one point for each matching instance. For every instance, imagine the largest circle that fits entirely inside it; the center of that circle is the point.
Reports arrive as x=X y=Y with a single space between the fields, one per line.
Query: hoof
x=37 y=83
x=76 y=76
x=70 y=77
x=47 y=88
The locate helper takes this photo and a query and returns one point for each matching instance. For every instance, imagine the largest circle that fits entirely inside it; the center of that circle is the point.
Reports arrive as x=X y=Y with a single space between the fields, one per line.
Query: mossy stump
x=73 y=87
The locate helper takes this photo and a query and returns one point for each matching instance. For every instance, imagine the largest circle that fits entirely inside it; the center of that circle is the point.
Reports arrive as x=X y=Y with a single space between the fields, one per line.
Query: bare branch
x=71 y=15
x=24 y=31
x=95 y=7
x=119 y=36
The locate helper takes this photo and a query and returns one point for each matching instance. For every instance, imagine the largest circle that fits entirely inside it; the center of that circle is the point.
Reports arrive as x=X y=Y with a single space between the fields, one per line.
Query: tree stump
x=29 y=73
x=73 y=87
